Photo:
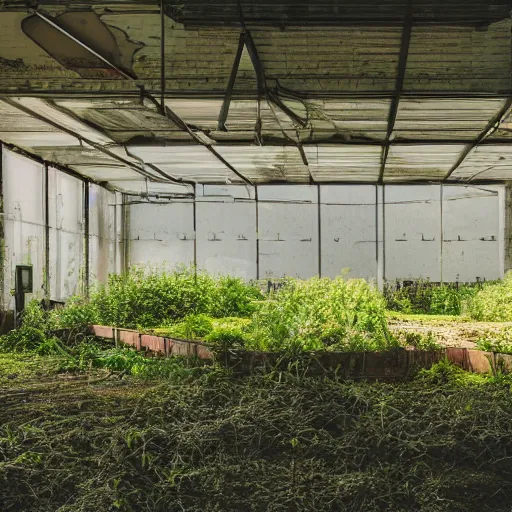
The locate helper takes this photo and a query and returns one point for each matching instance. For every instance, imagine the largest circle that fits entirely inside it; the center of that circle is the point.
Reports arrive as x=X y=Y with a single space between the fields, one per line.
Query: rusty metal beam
x=395 y=102
x=231 y=84
x=491 y=127
x=261 y=79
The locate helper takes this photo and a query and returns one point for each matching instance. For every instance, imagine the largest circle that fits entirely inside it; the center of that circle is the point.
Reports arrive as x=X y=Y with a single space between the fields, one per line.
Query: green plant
x=78 y=313
x=306 y=314
x=424 y=297
x=418 y=340
x=499 y=342
x=493 y=303
x=446 y=373
x=224 y=338
x=234 y=298
x=149 y=298
x=24 y=339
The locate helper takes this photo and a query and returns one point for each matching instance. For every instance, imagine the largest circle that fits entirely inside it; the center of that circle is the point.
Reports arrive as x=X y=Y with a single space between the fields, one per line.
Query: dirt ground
x=451 y=332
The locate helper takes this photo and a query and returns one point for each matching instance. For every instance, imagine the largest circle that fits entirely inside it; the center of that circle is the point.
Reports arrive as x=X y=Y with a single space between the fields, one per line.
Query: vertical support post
x=441 y=198
x=379 y=234
x=2 y=241
x=162 y=57
x=384 y=234
x=125 y=235
x=115 y=234
x=256 y=202
x=508 y=229
x=46 y=236
x=86 y=238
x=194 y=221
x=319 y=232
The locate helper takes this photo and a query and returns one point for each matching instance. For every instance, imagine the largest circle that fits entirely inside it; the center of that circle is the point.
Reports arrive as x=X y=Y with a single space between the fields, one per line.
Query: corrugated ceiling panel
x=330 y=59
x=344 y=162
x=191 y=162
x=267 y=163
x=449 y=119
x=68 y=122
x=421 y=161
x=326 y=120
x=452 y=58
x=124 y=120
x=204 y=113
x=32 y=140
x=106 y=173
x=79 y=155
x=348 y=118
x=486 y=162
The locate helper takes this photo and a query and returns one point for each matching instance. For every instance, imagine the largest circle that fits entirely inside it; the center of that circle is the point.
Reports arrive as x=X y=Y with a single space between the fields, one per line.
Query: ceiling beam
x=479 y=141
x=231 y=84
x=395 y=102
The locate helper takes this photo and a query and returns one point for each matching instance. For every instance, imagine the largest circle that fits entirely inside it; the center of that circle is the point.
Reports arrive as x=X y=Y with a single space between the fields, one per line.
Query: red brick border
x=474 y=361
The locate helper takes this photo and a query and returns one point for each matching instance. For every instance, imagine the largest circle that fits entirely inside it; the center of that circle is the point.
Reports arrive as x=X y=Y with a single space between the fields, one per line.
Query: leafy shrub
x=78 y=313
x=493 y=303
x=500 y=342
x=24 y=339
x=446 y=373
x=226 y=337
x=150 y=299
x=418 y=340
x=234 y=298
x=423 y=297
x=302 y=312
x=192 y=327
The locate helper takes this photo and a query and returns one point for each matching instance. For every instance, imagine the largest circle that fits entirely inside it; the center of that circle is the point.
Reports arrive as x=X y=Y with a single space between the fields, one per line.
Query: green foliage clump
x=446 y=373
x=302 y=313
x=234 y=298
x=191 y=327
x=37 y=326
x=499 y=342
x=150 y=299
x=424 y=297
x=493 y=303
x=78 y=313
x=418 y=340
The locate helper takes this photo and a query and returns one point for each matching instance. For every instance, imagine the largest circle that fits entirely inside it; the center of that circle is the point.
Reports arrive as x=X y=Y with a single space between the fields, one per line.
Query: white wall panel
x=161 y=234
x=288 y=231
x=101 y=233
x=67 y=229
x=471 y=233
x=348 y=230
x=413 y=232
x=23 y=188
x=226 y=238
